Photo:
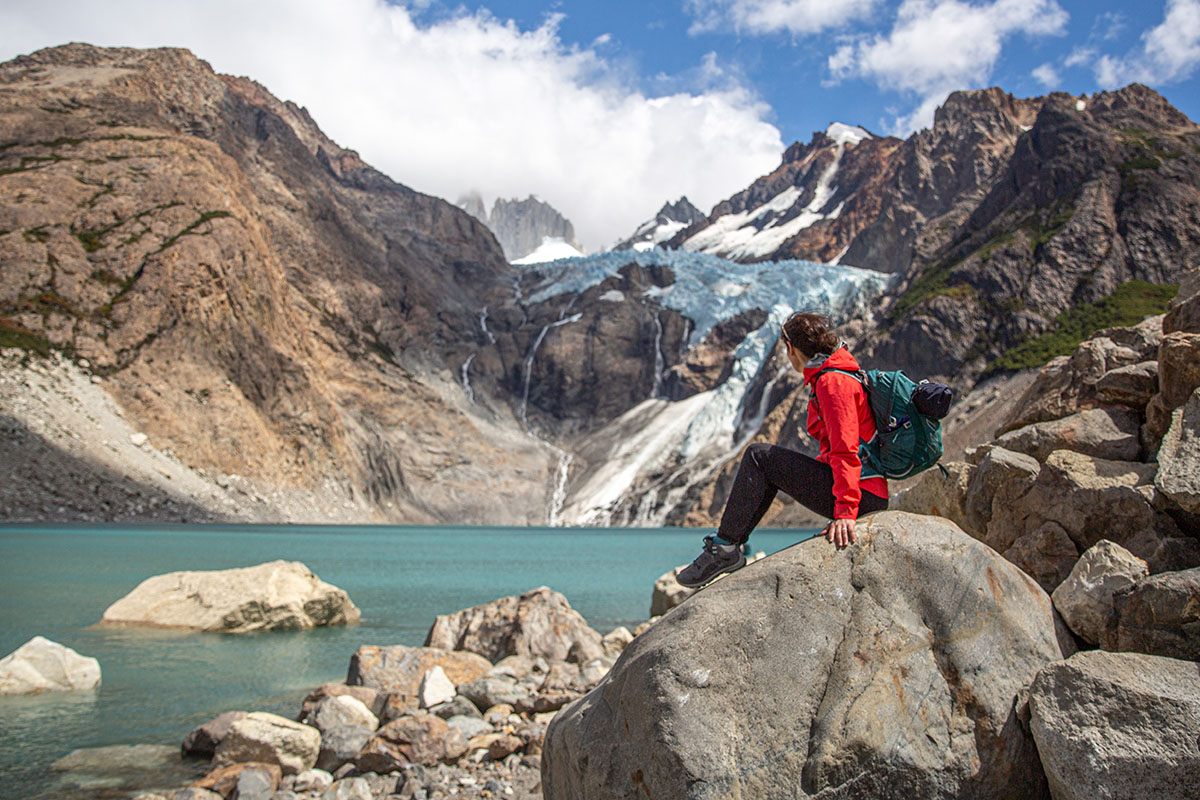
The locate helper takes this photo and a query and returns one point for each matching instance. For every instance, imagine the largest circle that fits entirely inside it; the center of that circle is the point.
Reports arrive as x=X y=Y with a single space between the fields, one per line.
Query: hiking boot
x=716 y=559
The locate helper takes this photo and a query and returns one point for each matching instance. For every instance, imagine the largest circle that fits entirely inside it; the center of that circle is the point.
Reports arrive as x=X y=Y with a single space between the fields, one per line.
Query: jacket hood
x=838 y=359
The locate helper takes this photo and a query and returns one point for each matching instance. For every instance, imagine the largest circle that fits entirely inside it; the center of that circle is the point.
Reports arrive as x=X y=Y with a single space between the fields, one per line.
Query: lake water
x=56 y=581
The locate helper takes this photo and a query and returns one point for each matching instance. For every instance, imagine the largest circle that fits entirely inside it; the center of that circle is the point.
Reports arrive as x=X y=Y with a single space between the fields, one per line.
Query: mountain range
x=272 y=318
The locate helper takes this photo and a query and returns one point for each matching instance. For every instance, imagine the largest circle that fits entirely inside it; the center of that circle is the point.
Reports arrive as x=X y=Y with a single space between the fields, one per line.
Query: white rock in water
x=41 y=665
x=138 y=439
x=436 y=688
x=280 y=595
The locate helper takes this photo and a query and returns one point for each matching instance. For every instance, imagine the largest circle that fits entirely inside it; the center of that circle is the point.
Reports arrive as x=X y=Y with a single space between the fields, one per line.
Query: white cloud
x=1046 y=75
x=1169 y=52
x=460 y=103
x=797 y=17
x=937 y=46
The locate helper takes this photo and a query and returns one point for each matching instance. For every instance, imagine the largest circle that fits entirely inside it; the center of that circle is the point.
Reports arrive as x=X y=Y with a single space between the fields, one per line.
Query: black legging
x=767 y=468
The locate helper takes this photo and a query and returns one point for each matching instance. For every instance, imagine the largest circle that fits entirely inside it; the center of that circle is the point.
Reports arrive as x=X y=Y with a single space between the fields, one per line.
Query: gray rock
x=381 y=785
x=938 y=495
x=1184 y=312
x=202 y=741
x=193 y=793
x=487 y=692
x=1130 y=386
x=616 y=640
x=1085 y=598
x=1159 y=616
x=313 y=780
x=286 y=794
x=1000 y=478
x=1046 y=554
x=341 y=745
x=349 y=789
x=538 y=623
x=41 y=665
x=458 y=707
x=254 y=784
x=1110 y=433
x=1178 y=474
x=470 y=726
x=339 y=711
x=889 y=669
x=1178 y=368
x=370 y=698
x=270 y=739
x=1118 y=725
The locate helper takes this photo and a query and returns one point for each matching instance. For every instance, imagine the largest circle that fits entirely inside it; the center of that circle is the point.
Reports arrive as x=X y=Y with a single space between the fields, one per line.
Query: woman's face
x=797 y=358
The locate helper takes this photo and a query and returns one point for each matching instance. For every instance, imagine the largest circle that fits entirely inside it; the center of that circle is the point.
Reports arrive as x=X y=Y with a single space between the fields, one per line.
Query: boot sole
x=731 y=568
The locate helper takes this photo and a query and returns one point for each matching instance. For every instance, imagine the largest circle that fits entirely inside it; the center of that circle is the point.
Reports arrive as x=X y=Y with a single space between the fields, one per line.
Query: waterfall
x=559 y=496
x=483 y=325
x=750 y=426
x=466 y=380
x=659 y=364
x=529 y=362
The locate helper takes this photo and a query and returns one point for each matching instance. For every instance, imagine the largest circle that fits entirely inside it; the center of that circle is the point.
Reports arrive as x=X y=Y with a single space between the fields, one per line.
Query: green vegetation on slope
x=1128 y=305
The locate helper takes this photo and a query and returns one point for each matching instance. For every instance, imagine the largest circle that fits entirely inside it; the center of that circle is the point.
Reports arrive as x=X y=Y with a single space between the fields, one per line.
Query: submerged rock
x=41 y=665
x=889 y=669
x=280 y=595
x=1117 y=725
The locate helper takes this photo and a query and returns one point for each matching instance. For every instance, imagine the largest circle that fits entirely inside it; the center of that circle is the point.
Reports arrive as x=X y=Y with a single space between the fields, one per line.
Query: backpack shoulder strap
x=860 y=376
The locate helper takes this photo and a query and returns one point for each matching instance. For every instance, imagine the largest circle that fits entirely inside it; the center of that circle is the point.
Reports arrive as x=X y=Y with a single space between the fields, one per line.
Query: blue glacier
x=708 y=289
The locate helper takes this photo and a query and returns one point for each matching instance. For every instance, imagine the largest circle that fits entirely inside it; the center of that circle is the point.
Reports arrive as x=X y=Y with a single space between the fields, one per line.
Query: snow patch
x=613 y=296
x=845 y=134
x=552 y=248
x=1080 y=105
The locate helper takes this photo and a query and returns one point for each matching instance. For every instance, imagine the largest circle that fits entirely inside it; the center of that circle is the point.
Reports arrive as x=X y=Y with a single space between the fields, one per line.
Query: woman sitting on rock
x=835 y=484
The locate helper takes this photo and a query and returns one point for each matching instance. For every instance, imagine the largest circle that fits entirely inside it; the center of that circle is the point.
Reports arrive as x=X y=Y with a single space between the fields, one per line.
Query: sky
x=606 y=110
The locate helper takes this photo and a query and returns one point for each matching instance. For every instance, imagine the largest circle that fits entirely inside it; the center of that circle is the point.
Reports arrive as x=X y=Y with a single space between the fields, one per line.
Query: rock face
x=260 y=301
x=521 y=225
x=889 y=669
x=538 y=623
x=1085 y=598
x=1111 y=725
x=670 y=219
x=270 y=739
x=280 y=595
x=41 y=665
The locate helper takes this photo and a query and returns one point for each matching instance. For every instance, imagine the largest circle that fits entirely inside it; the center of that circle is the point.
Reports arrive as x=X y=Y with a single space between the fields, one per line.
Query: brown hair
x=810 y=333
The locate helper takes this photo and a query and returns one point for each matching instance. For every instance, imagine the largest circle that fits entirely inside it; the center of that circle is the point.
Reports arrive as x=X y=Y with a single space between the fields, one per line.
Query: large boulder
x=1178 y=474
x=397 y=672
x=1091 y=498
x=1118 y=725
x=1179 y=367
x=1085 y=598
x=41 y=665
x=341 y=710
x=369 y=697
x=270 y=739
x=937 y=494
x=889 y=669
x=280 y=595
x=342 y=745
x=1158 y=616
x=1110 y=433
x=538 y=623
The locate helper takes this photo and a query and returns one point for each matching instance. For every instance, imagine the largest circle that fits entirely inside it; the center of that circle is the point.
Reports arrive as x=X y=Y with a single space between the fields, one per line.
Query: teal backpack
x=908 y=434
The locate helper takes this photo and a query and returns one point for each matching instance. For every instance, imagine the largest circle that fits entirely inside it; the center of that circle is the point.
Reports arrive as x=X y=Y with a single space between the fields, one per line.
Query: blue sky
x=606 y=110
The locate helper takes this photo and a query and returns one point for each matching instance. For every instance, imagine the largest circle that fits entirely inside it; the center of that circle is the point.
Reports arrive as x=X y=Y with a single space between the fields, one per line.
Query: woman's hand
x=840 y=532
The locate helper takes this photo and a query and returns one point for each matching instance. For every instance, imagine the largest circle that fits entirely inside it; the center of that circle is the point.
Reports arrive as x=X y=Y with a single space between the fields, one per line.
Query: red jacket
x=839 y=419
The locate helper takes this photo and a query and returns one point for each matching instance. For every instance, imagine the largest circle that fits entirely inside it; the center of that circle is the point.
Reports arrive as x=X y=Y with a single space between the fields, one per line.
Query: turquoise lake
x=56 y=581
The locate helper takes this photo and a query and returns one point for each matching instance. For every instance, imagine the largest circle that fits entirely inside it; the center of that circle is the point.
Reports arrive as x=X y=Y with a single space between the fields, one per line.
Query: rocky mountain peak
x=670 y=219
x=522 y=226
